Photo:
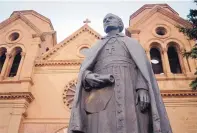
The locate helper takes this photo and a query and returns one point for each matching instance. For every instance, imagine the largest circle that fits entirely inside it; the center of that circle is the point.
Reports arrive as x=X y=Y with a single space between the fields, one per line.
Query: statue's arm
x=85 y=84
x=142 y=92
x=94 y=80
x=141 y=82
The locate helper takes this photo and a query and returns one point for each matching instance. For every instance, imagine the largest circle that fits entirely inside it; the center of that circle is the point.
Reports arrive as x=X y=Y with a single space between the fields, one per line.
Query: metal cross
x=86 y=21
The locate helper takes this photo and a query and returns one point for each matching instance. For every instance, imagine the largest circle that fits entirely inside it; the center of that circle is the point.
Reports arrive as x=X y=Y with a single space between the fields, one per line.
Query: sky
x=67 y=16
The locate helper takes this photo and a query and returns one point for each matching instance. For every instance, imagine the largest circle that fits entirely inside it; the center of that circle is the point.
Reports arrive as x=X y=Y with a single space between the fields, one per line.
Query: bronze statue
x=116 y=90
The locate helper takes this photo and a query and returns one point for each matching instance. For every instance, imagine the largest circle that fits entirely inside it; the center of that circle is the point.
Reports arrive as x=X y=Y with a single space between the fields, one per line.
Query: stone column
x=13 y=106
x=185 y=64
x=163 y=62
x=21 y=64
x=148 y=55
x=3 y=71
x=182 y=64
x=166 y=63
x=15 y=119
x=192 y=65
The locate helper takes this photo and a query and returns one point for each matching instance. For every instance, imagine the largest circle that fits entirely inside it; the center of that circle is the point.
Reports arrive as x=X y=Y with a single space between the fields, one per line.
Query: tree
x=191 y=32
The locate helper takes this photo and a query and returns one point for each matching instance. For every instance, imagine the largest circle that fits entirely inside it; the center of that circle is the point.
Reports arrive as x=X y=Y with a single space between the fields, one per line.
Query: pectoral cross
x=110 y=48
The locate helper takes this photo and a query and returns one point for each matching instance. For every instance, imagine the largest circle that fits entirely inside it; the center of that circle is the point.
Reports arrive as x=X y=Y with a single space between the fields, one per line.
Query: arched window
x=2 y=57
x=156 y=61
x=173 y=58
x=15 y=62
x=83 y=50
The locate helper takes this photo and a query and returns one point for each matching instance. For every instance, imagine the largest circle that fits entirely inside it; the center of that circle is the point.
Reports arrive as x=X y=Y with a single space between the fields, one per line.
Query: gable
x=69 y=48
x=42 y=22
x=21 y=17
x=160 y=10
x=145 y=9
x=148 y=30
x=156 y=19
x=42 y=25
x=18 y=25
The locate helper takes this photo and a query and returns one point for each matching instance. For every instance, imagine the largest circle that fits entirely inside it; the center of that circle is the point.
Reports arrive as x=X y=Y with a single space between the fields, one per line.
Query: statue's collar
x=117 y=35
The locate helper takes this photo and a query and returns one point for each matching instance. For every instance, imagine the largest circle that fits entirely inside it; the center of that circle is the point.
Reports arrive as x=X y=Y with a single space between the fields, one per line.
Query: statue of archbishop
x=116 y=90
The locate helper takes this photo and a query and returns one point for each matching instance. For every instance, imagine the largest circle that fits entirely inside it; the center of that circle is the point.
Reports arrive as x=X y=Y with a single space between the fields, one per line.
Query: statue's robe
x=112 y=109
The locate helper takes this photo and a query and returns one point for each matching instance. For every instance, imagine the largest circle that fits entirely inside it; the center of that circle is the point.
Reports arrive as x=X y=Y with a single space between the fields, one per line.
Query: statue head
x=112 y=22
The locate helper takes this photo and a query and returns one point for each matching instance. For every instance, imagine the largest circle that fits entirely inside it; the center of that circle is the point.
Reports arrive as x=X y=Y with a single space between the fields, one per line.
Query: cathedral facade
x=38 y=76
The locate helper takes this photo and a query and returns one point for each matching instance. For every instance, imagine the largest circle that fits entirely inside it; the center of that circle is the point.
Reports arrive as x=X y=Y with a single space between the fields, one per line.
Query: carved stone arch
x=150 y=43
x=14 y=50
x=4 y=46
x=156 y=45
x=155 y=51
x=178 y=44
x=19 y=45
x=3 y=49
x=175 y=57
x=69 y=92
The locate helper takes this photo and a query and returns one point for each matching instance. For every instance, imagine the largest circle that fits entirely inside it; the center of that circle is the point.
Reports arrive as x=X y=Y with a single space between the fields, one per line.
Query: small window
x=14 y=36
x=84 y=50
x=161 y=31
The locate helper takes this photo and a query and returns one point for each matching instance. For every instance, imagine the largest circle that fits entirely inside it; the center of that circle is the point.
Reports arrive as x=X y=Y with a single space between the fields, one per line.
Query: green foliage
x=191 y=32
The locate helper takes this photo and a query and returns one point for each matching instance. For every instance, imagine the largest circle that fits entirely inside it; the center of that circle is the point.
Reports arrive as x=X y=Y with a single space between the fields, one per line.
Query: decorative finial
x=86 y=21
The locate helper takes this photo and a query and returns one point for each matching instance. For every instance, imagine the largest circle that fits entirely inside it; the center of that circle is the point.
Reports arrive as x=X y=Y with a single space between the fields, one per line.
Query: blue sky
x=67 y=16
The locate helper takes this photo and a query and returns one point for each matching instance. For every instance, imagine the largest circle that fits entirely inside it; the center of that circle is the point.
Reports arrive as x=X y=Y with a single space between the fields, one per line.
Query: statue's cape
x=160 y=119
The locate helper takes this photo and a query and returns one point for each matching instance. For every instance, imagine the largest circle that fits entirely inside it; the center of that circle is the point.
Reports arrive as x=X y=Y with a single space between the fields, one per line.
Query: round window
x=14 y=36
x=161 y=31
x=84 y=50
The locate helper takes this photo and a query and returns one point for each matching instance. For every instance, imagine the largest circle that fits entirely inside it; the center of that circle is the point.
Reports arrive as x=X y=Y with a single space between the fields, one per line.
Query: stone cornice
x=84 y=28
x=11 y=80
x=41 y=63
x=17 y=95
x=178 y=93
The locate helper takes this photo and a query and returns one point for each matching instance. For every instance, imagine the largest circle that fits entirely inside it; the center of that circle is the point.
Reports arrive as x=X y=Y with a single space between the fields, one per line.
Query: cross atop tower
x=86 y=21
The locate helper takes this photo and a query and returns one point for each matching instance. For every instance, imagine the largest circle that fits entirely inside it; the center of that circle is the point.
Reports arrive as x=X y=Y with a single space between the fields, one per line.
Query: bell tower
x=24 y=36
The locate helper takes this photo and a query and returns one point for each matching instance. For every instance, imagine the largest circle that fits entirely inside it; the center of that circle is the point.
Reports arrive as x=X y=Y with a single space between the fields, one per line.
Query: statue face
x=110 y=22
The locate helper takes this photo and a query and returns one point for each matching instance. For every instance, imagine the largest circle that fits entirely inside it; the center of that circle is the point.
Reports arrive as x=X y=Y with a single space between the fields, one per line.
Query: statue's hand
x=93 y=80
x=143 y=99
